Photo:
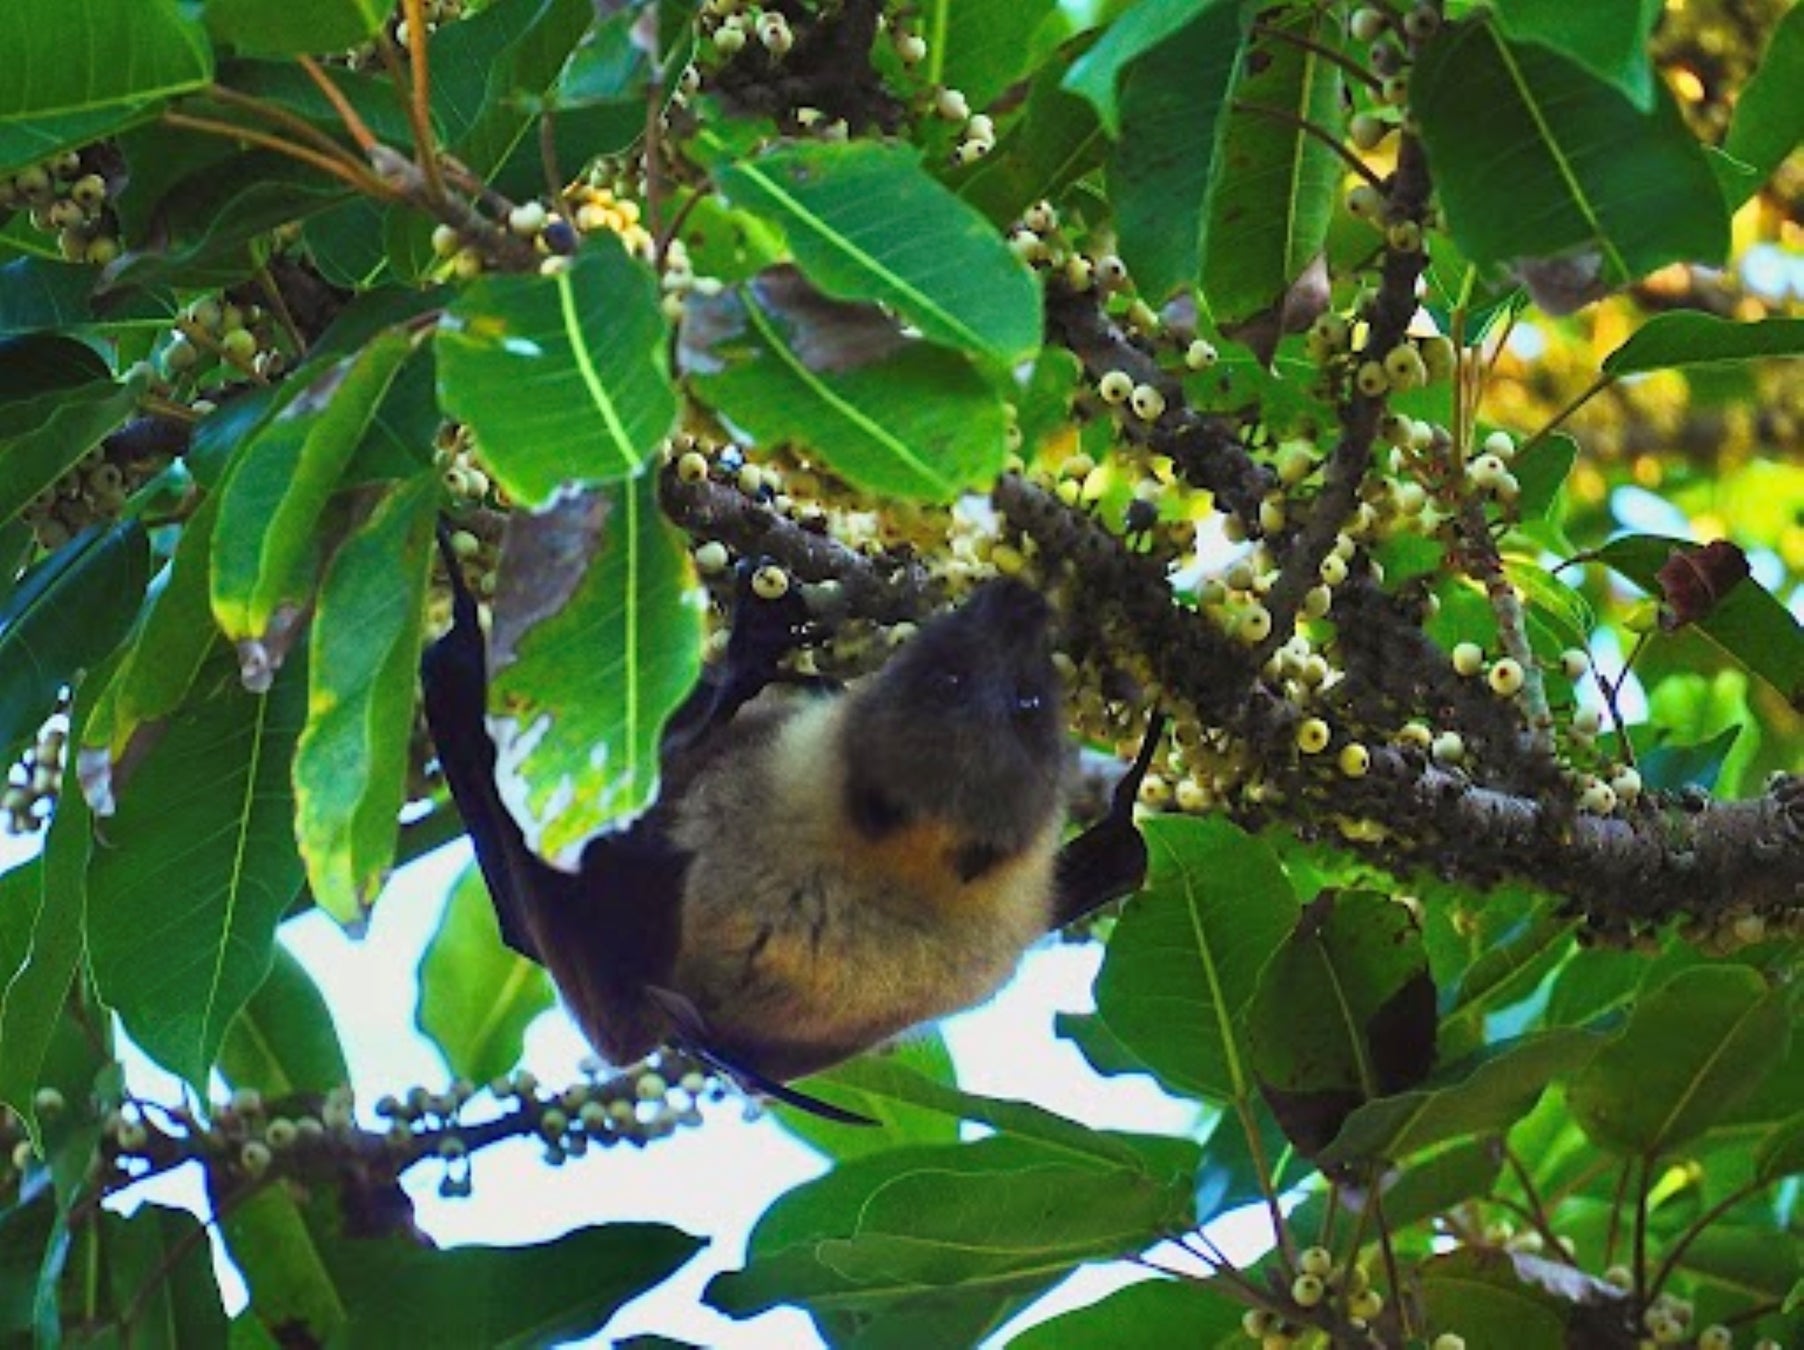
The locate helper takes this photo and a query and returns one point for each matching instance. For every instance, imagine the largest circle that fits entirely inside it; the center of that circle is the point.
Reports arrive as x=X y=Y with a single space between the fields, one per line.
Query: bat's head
x=965 y=722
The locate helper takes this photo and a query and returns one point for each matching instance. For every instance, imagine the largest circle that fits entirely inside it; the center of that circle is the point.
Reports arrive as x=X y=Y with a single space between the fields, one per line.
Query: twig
x=362 y=180
x=1596 y=387
x=353 y=120
x=1696 y=1229
x=1341 y=59
x=278 y=304
x=288 y=121
x=419 y=106
x=1322 y=134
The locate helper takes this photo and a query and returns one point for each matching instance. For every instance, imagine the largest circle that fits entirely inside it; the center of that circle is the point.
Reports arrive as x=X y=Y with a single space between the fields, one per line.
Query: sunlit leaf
x=1696 y=339
x=562 y=378
x=350 y=766
x=477 y=996
x=200 y=862
x=284 y=1042
x=1769 y=115
x=1691 y=1049
x=857 y=215
x=1608 y=40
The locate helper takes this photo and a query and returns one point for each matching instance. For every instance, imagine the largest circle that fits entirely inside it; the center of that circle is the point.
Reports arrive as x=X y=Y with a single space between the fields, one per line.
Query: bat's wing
x=1107 y=862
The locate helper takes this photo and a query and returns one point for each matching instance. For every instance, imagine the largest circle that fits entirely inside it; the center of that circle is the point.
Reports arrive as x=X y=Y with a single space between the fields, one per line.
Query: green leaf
x=1527 y=153
x=1689 y=338
x=504 y=1298
x=901 y=1120
x=477 y=996
x=160 y=1270
x=1541 y=471
x=1781 y=1153
x=284 y=1041
x=1055 y=142
x=606 y=668
x=896 y=416
x=283 y=1260
x=35 y=1002
x=201 y=864
x=1096 y=75
x=1343 y=1013
x=492 y=70
x=856 y=216
x=1483 y=1296
x=42 y=294
x=1173 y=105
x=1748 y=623
x=166 y=653
x=69 y=79
x=1273 y=186
x=288 y=86
x=264 y=542
x=981 y=47
x=1157 y=1312
x=1692 y=1048
x=99 y=575
x=45 y=433
x=1509 y=969
x=1666 y=767
x=211 y=226
x=1000 y=1218
x=1608 y=40
x=1185 y=956
x=350 y=768
x=281 y=28
x=1769 y=114
x=564 y=378
x=1486 y=1093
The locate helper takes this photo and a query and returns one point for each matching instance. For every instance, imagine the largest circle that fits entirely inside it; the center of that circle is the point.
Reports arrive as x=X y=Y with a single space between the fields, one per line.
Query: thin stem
x=1641 y=1234
x=1327 y=138
x=361 y=180
x=1596 y=387
x=1267 y=1188
x=290 y=122
x=554 y=179
x=278 y=304
x=1376 y=1203
x=354 y=123
x=1614 y=1231
x=652 y=157
x=1537 y=1212
x=162 y=407
x=1696 y=1230
x=1612 y=690
x=419 y=107
x=1341 y=59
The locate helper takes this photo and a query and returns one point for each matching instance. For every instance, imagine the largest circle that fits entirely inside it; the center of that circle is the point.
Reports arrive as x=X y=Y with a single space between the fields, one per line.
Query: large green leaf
x=46 y=431
x=891 y=1233
x=1527 y=153
x=1487 y=1093
x=900 y=1118
x=263 y=543
x=564 y=378
x=1157 y=1312
x=1173 y=105
x=160 y=1272
x=1486 y=1297
x=1096 y=75
x=1185 y=957
x=1609 y=40
x=489 y=70
x=100 y=576
x=284 y=1041
x=166 y=654
x=40 y=294
x=1343 y=1014
x=75 y=72
x=1272 y=186
x=500 y=1298
x=350 y=768
x=866 y=223
x=199 y=865
x=1769 y=115
x=896 y=416
x=1693 y=338
x=606 y=668
x=35 y=1001
x=282 y=28
x=1748 y=623
x=1692 y=1048
x=981 y=47
x=477 y=996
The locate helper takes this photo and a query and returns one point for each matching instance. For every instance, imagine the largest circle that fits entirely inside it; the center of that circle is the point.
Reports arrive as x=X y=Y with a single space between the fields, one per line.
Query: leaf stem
x=1327 y=53
x=1327 y=138
x=360 y=181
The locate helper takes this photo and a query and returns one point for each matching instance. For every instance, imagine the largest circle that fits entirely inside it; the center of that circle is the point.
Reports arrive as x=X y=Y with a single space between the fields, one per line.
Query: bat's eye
x=947 y=683
x=1029 y=702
